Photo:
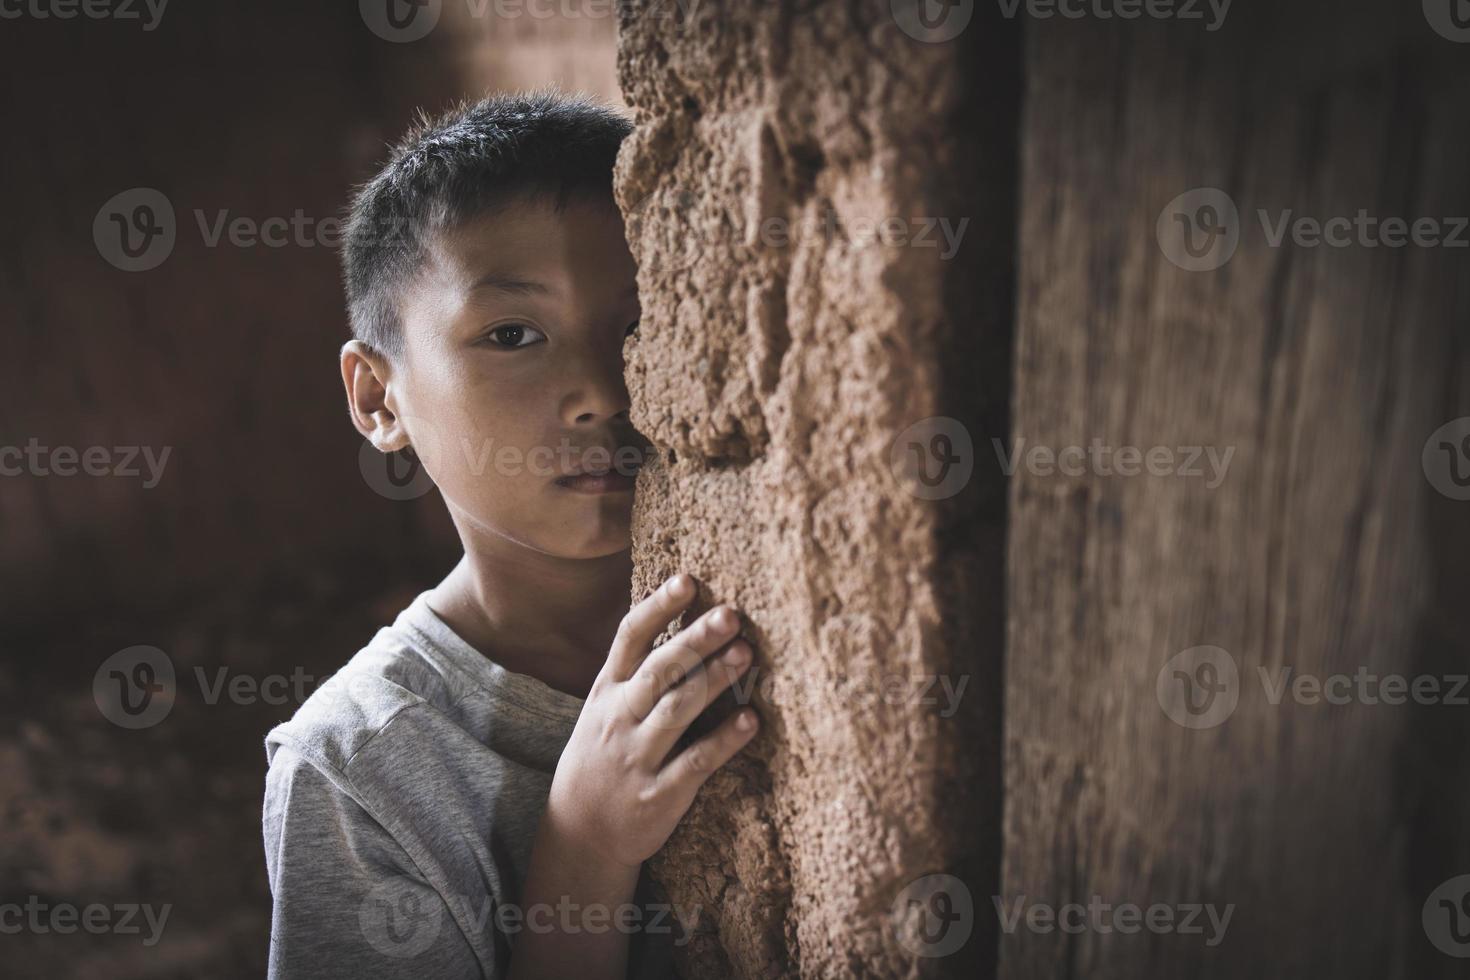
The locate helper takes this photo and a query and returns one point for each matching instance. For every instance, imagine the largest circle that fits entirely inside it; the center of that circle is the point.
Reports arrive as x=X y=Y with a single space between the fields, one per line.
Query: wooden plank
x=1322 y=548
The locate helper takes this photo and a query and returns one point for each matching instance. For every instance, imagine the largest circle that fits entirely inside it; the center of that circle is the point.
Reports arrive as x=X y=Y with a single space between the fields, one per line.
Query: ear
x=367 y=376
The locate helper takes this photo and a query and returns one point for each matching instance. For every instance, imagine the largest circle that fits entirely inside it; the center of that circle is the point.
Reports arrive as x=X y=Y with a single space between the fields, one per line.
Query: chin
x=598 y=536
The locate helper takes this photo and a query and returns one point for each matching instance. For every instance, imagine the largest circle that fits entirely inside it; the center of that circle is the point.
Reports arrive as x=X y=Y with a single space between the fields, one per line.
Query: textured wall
x=782 y=352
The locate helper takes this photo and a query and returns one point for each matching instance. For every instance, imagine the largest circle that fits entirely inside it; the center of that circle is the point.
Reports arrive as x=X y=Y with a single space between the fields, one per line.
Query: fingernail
x=746 y=721
x=725 y=617
x=679 y=584
x=738 y=653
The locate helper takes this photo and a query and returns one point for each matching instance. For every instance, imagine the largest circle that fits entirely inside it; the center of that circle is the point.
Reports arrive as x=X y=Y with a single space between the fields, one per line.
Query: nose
x=594 y=389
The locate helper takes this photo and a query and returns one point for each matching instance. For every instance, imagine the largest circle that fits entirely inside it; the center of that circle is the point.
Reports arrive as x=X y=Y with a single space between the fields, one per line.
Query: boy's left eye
x=515 y=335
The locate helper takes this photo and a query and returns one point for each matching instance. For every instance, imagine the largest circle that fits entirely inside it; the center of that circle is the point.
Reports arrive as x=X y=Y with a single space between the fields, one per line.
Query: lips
x=596 y=483
x=606 y=478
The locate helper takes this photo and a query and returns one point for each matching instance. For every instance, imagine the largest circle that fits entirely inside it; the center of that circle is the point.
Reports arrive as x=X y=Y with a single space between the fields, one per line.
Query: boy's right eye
x=515 y=335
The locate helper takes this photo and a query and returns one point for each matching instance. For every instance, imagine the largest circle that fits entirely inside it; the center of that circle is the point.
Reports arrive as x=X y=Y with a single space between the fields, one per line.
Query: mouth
x=595 y=479
x=598 y=483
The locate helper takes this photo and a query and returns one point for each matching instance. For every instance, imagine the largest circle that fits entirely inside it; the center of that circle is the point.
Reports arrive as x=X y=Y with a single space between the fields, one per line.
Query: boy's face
x=510 y=382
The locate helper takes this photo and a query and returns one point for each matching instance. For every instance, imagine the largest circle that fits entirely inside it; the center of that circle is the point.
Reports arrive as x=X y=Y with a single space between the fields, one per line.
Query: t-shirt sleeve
x=347 y=900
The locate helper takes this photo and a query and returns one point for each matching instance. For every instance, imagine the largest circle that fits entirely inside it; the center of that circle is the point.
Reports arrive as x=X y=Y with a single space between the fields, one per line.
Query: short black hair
x=451 y=168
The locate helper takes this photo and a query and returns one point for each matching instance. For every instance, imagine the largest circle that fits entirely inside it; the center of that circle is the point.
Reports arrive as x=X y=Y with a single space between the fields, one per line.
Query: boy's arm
x=346 y=898
x=617 y=794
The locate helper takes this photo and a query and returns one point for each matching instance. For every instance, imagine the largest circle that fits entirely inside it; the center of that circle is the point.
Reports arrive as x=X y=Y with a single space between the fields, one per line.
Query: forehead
x=580 y=243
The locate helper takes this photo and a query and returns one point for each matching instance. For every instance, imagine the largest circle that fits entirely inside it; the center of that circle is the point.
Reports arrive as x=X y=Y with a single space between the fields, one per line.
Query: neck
x=552 y=618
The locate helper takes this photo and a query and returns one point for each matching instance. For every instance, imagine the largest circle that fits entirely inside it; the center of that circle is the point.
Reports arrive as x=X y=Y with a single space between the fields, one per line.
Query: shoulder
x=385 y=679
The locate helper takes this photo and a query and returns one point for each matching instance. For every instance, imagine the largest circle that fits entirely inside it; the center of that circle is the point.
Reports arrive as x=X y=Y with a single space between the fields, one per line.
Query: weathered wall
x=1323 y=550
x=774 y=379
x=780 y=357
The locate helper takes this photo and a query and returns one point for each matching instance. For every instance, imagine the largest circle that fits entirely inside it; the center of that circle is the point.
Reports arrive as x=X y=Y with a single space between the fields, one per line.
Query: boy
x=474 y=793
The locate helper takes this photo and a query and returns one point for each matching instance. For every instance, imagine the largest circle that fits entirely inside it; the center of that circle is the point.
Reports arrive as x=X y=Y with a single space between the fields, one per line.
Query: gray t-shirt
x=401 y=804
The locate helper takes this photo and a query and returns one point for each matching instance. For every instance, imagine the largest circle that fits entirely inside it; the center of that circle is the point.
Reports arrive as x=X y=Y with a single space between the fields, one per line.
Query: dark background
x=263 y=549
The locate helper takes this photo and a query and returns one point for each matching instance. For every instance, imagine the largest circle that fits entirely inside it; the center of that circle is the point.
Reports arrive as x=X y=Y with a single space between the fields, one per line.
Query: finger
x=676 y=660
x=645 y=622
x=677 y=709
x=688 y=770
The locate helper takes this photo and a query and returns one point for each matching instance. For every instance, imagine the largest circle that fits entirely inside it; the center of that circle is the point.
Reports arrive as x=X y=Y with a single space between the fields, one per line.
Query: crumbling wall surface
x=783 y=349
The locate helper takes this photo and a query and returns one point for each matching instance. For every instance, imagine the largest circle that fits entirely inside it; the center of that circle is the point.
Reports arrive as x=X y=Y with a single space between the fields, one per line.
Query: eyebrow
x=513 y=285
x=516 y=286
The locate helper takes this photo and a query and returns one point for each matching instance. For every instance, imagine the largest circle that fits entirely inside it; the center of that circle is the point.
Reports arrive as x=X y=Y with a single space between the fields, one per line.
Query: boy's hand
x=617 y=792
